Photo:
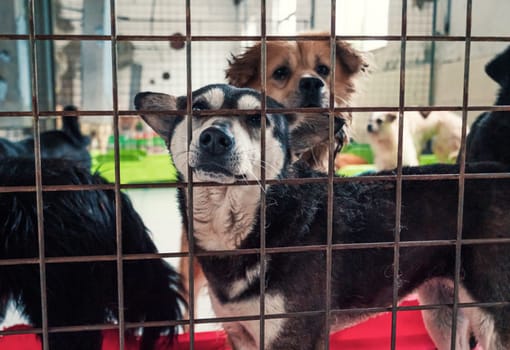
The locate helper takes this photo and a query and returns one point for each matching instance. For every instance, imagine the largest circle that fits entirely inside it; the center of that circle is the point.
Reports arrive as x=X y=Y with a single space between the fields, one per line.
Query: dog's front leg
x=438 y=322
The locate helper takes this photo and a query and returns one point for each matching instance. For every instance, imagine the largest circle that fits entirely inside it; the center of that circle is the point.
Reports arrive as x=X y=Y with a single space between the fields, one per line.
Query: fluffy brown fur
x=298 y=74
x=302 y=59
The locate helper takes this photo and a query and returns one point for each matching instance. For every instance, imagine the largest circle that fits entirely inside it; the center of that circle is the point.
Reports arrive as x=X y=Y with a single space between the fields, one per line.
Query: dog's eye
x=322 y=69
x=281 y=73
x=200 y=105
x=378 y=121
x=254 y=120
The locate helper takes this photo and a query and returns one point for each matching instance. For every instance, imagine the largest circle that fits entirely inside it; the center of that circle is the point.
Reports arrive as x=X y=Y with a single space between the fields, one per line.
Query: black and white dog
x=225 y=150
x=79 y=223
x=488 y=138
x=68 y=143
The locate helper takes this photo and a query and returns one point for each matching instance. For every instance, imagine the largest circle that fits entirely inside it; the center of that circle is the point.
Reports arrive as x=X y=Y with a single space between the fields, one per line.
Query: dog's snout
x=310 y=89
x=216 y=141
x=370 y=128
x=310 y=84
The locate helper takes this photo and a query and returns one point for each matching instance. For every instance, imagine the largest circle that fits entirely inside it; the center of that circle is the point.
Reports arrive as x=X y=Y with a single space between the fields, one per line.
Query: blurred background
x=79 y=72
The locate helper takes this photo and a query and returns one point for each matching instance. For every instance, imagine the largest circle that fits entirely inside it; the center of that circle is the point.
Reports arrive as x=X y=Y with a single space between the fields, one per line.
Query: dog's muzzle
x=216 y=145
x=216 y=141
x=311 y=94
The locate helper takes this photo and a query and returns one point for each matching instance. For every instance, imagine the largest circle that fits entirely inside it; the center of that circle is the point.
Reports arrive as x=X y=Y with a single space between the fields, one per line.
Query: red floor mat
x=373 y=334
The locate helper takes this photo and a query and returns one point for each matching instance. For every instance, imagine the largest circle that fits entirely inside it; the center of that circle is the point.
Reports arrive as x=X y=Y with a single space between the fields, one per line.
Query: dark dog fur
x=488 y=138
x=79 y=223
x=298 y=76
x=68 y=143
x=227 y=217
x=486 y=141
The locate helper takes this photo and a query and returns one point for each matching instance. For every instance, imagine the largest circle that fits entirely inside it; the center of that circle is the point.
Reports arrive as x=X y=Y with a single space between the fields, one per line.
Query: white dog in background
x=382 y=129
x=442 y=127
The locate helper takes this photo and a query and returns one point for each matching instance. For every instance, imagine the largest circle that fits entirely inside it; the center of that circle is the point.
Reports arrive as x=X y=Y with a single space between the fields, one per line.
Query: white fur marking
x=239 y=286
x=224 y=215
x=482 y=323
x=214 y=97
x=248 y=102
x=274 y=304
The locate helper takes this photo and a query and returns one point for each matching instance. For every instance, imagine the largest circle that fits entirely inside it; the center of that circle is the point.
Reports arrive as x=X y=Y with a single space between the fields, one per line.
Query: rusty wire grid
x=32 y=37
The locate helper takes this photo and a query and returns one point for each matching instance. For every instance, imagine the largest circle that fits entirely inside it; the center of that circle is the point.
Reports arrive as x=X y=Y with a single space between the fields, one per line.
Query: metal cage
x=35 y=38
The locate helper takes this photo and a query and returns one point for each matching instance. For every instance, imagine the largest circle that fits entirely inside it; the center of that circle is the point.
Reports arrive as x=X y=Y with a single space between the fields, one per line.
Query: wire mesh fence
x=98 y=55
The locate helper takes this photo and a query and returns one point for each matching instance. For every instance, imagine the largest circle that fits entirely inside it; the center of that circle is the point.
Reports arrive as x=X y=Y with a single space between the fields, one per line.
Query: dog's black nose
x=215 y=141
x=370 y=128
x=310 y=90
x=310 y=84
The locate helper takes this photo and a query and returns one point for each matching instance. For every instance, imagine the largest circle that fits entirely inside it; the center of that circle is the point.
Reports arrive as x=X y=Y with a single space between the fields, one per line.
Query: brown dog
x=298 y=75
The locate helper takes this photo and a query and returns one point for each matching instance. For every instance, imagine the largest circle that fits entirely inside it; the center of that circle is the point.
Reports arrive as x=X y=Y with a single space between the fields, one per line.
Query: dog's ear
x=351 y=60
x=424 y=114
x=391 y=117
x=244 y=68
x=162 y=124
x=498 y=69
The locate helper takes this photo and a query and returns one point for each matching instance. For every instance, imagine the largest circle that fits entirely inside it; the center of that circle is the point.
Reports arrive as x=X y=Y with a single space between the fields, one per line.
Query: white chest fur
x=224 y=216
x=245 y=335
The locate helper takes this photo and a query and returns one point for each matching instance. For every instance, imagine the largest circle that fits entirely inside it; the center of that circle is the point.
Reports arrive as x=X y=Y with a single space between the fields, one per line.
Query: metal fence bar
x=38 y=176
x=328 y=249
x=331 y=173
x=118 y=200
x=178 y=38
x=462 y=170
x=398 y=184
x=231 y=112
x=290 y=181
x=134 y=325
x=251 y=251
x=191 y=244
x=263 y=108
